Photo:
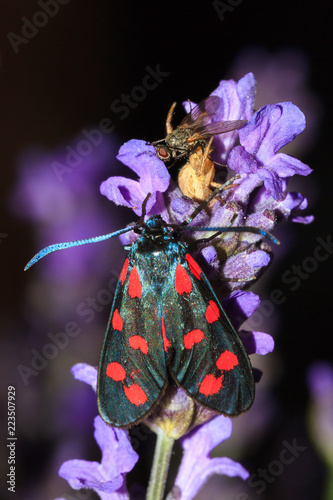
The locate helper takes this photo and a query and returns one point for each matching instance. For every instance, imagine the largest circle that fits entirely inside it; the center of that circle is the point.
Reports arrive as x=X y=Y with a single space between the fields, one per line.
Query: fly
x=195 y=130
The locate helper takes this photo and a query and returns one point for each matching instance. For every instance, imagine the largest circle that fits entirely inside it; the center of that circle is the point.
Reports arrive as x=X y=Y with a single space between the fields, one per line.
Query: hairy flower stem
x=160 y=468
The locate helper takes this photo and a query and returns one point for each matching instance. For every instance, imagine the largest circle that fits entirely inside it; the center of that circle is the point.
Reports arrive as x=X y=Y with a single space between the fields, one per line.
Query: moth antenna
x=240 y=229
x=69 y=244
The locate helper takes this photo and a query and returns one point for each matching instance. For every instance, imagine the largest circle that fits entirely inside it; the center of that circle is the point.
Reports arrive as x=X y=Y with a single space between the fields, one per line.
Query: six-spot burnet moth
x=167 y=321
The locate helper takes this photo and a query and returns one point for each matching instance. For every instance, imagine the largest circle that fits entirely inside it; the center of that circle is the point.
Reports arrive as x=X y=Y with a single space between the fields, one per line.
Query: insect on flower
x=196 y=177
x=194 y=130
x=167 y=323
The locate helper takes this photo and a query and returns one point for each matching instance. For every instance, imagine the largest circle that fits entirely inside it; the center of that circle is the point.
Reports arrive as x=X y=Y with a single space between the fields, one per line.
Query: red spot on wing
x=117 y=322
x=115 y=371
x=166 y=341
x=211 y=385
x=227 y=361
x=134 y=284
x=123 y=272
x=135 y=394
x=193 y=337
x=212 y=312
x=138 y=342
x=195 y=268
x=183 y=282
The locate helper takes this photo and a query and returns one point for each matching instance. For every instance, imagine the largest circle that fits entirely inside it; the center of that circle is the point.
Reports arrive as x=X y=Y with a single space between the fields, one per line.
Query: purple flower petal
x=85 y=373
x=142 y=159
x=240 y=306
x=237 y=99
x=153 y=178
x=272 y=182
x=241 y=161
x=114 y=443
x=257 y=342
x=287 y=166
x=81 y=474
x=118 y=458
x=303 y=220
x=287 y=207
x=271 y=128
x=196 y=465
x=126 y=192
x=244 y=267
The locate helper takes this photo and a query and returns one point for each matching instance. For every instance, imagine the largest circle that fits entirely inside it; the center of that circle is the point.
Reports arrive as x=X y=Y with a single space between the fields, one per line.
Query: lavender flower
x=153 y=178
x=259 y=198
x=64 y=207
x=197 y=466
x=106 y=478
x=271 y=128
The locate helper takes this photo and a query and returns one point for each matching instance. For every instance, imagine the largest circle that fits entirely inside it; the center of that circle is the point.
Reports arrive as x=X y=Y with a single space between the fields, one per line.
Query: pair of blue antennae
x=184 y=226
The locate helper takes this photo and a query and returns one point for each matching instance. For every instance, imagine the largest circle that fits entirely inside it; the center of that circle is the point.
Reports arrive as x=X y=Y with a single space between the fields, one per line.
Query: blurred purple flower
x=197 y=466
x=41 y=196
x=320 y=382
x=153 y=178
x=64 y=208
x=271 y=128
x=283 y=76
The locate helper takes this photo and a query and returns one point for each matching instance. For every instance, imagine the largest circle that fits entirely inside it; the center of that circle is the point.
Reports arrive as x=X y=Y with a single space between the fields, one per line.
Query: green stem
x=160 y=468
x=328 y=489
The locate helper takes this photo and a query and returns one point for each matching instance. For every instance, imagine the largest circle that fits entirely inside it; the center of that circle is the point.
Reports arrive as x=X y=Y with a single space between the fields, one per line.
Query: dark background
x=65 y=79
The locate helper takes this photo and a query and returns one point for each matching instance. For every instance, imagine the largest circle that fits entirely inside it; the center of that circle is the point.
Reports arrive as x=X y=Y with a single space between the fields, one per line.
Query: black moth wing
x=132 y=372
x=202 y=113
x=209 y=360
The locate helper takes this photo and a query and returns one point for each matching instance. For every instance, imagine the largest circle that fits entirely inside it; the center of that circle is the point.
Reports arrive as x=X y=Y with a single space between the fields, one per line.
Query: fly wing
x=216 y=128
x=209 y=360
x=202 y=113
x=132 y=372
